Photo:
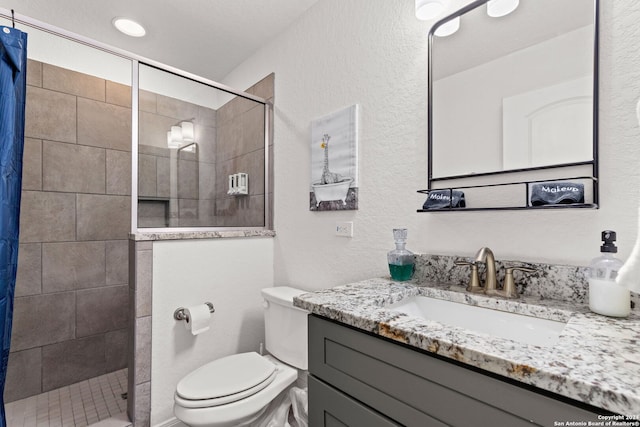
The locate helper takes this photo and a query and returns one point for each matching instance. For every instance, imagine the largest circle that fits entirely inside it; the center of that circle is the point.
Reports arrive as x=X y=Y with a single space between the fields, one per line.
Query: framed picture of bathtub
x=334 y=161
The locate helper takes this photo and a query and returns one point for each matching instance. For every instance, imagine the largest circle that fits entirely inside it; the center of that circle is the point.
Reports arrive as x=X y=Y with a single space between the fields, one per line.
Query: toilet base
x=241 y=412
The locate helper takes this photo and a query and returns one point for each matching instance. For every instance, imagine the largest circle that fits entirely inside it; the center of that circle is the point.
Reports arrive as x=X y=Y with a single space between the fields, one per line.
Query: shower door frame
x=135 y=84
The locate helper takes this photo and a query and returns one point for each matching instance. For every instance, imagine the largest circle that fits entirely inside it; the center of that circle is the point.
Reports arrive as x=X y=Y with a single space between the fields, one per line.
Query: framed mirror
x=513 y=91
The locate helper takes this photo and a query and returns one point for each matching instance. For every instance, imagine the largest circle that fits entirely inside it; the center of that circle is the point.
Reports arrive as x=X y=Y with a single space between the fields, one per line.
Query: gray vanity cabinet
x=360 y=380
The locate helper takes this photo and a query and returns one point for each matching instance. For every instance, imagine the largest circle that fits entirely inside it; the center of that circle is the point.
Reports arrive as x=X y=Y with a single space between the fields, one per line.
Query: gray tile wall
x=139 y=335
x=191 y=204
x=240 y=148
x=230 y=140
x=72 y=295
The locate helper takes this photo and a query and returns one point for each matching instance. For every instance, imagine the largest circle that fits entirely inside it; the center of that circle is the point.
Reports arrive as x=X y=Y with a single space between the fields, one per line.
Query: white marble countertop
x=596 y=361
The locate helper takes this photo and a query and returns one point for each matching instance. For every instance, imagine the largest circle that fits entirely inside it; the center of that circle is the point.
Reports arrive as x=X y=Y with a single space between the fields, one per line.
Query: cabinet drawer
x=416 y=389
x=332 y=408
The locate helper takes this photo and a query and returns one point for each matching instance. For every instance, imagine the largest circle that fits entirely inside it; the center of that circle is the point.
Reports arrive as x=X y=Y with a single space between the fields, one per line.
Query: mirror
x=513 y=93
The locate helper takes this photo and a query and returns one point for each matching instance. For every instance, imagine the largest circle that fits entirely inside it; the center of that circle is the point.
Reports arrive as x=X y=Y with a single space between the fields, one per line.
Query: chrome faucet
x=490 y=282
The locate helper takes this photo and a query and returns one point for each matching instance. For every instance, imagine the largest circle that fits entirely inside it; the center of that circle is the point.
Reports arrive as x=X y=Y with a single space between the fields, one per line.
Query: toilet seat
x=225 y=380
x=242 y=412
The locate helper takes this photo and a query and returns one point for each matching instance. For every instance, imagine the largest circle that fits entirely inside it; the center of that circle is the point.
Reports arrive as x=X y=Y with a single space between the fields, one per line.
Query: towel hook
x=13 y=18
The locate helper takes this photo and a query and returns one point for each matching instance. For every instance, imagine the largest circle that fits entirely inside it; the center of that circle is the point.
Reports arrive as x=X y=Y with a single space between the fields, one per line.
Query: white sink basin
x=517 y=327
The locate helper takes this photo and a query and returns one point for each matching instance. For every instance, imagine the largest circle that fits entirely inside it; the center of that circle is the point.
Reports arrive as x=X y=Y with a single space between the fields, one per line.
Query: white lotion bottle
x=605 y=295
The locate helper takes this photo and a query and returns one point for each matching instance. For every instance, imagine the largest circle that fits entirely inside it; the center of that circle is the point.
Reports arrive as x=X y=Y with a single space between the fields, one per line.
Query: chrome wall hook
x=180 y=314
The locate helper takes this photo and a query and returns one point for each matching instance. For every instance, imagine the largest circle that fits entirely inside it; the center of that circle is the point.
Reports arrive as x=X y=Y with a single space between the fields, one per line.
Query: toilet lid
x=226 y=376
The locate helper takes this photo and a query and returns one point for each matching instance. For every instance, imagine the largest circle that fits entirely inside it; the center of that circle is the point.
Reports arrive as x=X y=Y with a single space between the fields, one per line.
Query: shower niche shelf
x=153 y=212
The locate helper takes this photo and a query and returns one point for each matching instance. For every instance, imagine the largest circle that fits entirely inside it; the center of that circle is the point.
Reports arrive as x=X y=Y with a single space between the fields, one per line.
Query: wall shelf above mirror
x=513 y=99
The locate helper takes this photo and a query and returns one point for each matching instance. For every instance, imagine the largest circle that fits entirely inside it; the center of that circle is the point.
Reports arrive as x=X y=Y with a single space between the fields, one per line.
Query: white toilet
x=235 y=390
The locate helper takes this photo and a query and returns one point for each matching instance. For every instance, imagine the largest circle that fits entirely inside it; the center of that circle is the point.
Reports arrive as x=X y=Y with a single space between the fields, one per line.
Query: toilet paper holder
x=179 y=314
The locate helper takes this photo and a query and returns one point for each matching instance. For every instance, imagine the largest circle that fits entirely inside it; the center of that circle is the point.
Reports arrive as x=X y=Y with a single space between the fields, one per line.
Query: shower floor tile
x=96 y=400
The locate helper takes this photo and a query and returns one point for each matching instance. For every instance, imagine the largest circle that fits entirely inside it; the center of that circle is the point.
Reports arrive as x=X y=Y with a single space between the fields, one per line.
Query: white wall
x=227 y=272
x=374 y=53
x=342 y=53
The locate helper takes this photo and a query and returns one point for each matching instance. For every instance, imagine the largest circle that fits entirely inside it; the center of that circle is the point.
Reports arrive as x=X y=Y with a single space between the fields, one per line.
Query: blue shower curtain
x=13 y=86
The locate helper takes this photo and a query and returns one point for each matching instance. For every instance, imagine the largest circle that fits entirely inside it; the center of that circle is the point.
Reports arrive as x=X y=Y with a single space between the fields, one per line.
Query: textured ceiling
x=205 y=37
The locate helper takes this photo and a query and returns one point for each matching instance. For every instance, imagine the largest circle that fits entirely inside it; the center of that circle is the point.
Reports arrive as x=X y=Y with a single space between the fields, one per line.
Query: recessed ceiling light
x=129 y=27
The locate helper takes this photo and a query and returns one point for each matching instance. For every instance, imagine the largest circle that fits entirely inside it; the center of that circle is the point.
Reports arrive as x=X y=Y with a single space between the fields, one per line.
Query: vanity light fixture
x=187 y=132
x=182 y=137
x=448 y=27
x=174 y=137
x=498 y=8
x=429 y=9
x=129 y=27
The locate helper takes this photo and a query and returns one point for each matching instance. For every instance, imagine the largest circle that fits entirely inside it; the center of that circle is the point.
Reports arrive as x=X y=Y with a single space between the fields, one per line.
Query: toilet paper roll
x=198 y=318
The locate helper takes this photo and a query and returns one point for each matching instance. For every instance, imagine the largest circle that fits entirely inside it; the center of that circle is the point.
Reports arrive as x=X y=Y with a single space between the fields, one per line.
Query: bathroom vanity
x=372 y=365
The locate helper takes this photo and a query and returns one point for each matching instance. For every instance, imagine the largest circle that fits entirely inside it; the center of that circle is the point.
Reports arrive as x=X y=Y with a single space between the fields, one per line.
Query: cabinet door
x=416 y=389
x=330 y=408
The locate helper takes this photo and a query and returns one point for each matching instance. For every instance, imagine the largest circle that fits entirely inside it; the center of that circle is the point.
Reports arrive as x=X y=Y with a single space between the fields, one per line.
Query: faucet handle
x=474 y=282
x=509 y=289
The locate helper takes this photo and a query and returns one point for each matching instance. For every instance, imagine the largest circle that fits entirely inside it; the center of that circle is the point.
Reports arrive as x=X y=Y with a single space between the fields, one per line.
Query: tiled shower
x=229 y=140
x=71 y=306
x=73 y=298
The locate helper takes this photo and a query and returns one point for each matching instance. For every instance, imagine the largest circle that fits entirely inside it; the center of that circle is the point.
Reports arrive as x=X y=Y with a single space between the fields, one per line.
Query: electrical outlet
x=344 y=229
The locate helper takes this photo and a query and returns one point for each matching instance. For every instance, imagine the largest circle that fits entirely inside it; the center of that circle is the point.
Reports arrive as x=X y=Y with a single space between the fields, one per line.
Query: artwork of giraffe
x=334 y=173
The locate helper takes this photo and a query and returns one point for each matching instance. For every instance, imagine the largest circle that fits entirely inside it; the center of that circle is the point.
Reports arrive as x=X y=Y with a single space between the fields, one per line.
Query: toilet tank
x=285 y=326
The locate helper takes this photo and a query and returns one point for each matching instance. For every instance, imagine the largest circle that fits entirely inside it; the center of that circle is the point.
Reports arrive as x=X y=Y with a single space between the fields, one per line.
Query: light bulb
x=448 y=27
x=171 y=143
x=187 y=131
x=498 y=8
x=428 y=9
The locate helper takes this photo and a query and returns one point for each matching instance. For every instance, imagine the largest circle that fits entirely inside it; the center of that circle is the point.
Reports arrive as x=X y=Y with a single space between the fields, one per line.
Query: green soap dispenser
x=401 y=261
x=605 y=295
